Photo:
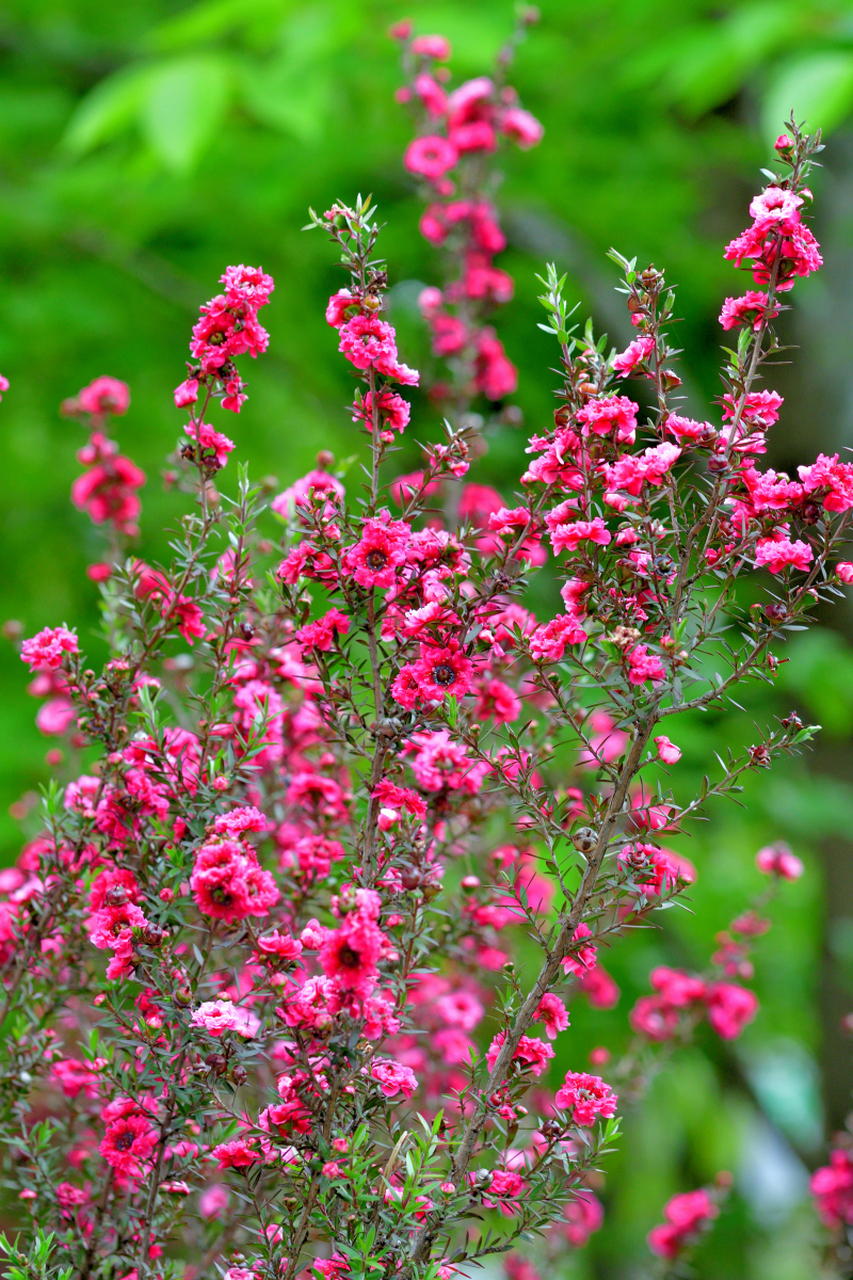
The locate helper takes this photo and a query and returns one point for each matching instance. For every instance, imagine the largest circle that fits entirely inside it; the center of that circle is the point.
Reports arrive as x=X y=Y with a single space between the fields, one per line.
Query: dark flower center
x=443 y=674
x=376 y=559
x=220 y=895
x=348 y=958
x=125 y=1140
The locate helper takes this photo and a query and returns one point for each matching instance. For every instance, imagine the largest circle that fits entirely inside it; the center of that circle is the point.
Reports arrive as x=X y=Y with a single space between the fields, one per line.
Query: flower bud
x=584 y=840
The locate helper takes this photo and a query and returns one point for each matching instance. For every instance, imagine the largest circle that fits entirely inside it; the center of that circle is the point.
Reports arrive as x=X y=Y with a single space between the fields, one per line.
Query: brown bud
x=116 y=896
x=584 y=840
x=325 y=459
x=12 y=629
x=239 y=1074
x=811 y=513
x=154 y=936
x=776 y=613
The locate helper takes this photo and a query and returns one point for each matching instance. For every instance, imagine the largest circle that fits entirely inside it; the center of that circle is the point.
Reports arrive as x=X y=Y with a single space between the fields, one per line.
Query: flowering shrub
x=268 y=1002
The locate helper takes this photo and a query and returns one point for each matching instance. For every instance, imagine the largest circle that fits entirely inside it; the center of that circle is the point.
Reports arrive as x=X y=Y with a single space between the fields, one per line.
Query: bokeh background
x=145 y=145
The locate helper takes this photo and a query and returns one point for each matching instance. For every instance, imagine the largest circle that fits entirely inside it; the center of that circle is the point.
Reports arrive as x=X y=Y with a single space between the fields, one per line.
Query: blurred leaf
x=703 y=66
x=111 y=107
x=817 y=87
x=281 y=95
x=293 y=90
x=185 y=103
x=211 y=21
x=819 y=808
x=820 y=672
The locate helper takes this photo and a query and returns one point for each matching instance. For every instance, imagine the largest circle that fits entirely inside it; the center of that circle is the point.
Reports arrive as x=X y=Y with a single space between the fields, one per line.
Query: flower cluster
x=832 y=1189
x=686 y=1216
x=228 y=327
x=301 y=931
x=457 y=130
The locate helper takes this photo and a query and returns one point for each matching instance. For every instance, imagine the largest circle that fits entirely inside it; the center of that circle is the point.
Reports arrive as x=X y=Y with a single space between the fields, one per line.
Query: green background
x=145 y=146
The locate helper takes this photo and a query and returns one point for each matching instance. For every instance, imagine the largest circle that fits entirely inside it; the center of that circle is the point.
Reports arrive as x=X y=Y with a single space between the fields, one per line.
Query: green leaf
x=293 y=98
x=817 y=87
x=184 y=107
x=108 y=110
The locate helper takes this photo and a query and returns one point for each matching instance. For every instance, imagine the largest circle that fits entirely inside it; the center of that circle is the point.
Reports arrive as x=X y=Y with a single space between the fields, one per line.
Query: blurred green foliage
x=146 y=145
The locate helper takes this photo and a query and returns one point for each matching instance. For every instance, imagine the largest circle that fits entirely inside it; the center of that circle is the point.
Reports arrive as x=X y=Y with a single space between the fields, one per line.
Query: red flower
x=587 y=1097
x=441 y=672
x=128 y=1143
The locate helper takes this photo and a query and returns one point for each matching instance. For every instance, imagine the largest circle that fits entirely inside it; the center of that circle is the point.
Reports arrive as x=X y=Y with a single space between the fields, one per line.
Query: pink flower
x=580 y=956
x=612 y=413
x=506 y=1183
x=521 y=126
x=631 y=472
x=393 y=412
x=350 y=954
x=4 y=385
x=583 y=1215
x=129 y=1142
x=688 y=429
x=567 y=537
x=216 y=1016
x=829 y=480
x=280 y=945
x=778 y=860
x=497 y=701
x=753 y=308
x=342 y=306
x=208 y=439
x=237 y=1154
x=777 y=554
x=440 y=672
x=186 y=393
x=365 y=339
x=832 y=1188
x=213 y=1201
x=373 y=561
x=104 y=395
x=685 y=1216
x=730 y=1008
x=431 y=156
x=393 y=1078
x=431 y=94
x=775 y=205
x=548 y=642
x=844 y=570
x=586 y=1097
x=228 y=883
x=553 y=1013
x=321 y=634
x=667 y=751
x=496 y=375
x=644 y=666
x=112 y=927
x=533 y=1054
x=634 y=354
x=653 y=870
x=244 y=818
x=56 y=716
x=49 y=647
x=437 y=47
